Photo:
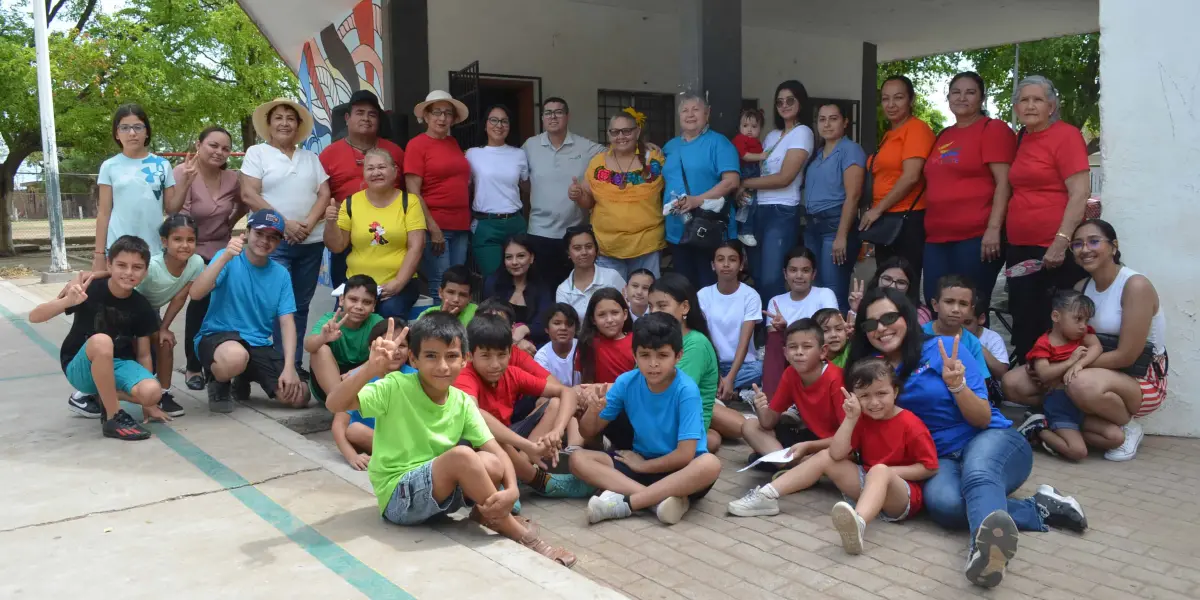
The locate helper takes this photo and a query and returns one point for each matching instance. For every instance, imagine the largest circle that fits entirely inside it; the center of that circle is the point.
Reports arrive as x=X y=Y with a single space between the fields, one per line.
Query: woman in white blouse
x=499 y=171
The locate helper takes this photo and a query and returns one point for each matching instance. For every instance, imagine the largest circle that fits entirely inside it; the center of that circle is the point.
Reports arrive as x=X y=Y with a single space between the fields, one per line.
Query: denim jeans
x=303 y=261
x=694 y=264
x=976 y=481
x=776 y=228
x=960 y=258
x=625 y=266
x=401 y=304
x=337 y=267
x=457 y=244
x=751 y=372
x=819 y=235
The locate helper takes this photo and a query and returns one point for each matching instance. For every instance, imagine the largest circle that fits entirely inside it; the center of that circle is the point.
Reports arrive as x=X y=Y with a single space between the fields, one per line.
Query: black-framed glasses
x=889 y=281
x=556 y=113
x=621 y=132
x=786 y=101
x=1092 y=242
x=135 y=128
x=497 y=121
x=886 y=319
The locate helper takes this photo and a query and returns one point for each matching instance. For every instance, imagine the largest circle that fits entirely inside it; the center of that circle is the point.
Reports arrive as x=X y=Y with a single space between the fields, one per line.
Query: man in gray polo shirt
x=555 y=157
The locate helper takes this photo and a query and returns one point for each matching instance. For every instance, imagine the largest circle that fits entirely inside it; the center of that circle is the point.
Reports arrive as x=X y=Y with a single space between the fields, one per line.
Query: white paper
x=777 y=457
x=338 y=291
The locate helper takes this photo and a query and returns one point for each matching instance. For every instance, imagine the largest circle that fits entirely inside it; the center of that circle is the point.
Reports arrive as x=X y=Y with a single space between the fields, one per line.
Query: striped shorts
x=1154 y=386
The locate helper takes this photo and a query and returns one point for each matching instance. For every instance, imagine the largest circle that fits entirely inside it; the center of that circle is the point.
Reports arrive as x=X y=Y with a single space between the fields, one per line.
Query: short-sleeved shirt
x=138 y=188
x=160 y=286
x=900 y=441
x=799 y=138
x=967 y=341
x=746 y=145
x=352 y=348
x=660 y=421
x=411 y=429
x=562 y=368
x=344 y=165
x=445 y=180
x=994 y=344
x=496 y=172
x=699 y=361
x=839 y=359
x=464 y=316
x=913 y=139
x=819 y=404
x=248 y=299
x=498 y=400
x=289 y=185
x=122 y=319
x=211 y=212
x=627 y=218
x=824 y=178
x=706 y=158
x=1044 y=161
x=926 y=395
x=725 y=316
x=959 y=185
x=794 y=310
x=612 y=358
x=379 y=236
x=551 y=212
x=1044 y=348
x=579 y=299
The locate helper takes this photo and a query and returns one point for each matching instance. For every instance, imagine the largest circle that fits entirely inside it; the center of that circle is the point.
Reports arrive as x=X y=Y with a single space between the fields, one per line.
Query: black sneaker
x=170 y=406
x=219 y=399
x=995 y=545
x=1033 y=424
x=303 y=374
x=241 y=389
x=1060 y=511
x=85 y=405
x=123 y=427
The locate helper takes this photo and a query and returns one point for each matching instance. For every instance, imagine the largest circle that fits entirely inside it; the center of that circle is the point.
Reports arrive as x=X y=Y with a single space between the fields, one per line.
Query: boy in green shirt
x=455 y=292
x=837 y=335
x=338 y=341
x=417 y=468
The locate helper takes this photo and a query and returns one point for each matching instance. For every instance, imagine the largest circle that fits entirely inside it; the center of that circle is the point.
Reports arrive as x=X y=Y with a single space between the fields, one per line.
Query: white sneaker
x=748 y=239
x=1128 y=449
x=754 y=504
x=850 y=525
x=671 y=510
x=608 y=505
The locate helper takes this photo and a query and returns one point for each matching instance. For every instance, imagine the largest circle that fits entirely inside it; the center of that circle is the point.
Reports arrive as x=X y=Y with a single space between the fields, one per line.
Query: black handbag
x=706 y=229
x=1141 y=365
x=885 y=229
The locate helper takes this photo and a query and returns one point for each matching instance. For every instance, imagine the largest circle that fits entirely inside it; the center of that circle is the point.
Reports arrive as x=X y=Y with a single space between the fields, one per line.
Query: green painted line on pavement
x=30 y=376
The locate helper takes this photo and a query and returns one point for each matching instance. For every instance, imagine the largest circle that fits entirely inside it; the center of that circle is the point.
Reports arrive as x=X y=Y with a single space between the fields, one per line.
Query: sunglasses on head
x=886 y=319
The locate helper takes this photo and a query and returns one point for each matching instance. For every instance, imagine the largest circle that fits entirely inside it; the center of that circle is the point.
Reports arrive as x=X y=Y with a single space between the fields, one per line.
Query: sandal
x=530 y=526
x=195 y=382
x=559 y=555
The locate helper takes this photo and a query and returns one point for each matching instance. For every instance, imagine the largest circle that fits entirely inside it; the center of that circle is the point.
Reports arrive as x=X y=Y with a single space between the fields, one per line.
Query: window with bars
x=658 y=108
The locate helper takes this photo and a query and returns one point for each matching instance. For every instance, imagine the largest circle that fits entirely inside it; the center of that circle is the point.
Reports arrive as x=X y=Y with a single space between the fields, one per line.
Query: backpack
x=403 y=204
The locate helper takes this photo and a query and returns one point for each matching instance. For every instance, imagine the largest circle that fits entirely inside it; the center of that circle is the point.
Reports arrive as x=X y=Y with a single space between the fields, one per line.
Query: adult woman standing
x=776 y=222
x=706 y=163
x=897 y=181
x=981 y=458
x=385 y=230
x=497 y=173
x=834 y=182
x=623 y=190
x=1050 y=188
x=967 y=191
x=212 y=195
x=521 y=284
x=436 y=170
x=278 y=174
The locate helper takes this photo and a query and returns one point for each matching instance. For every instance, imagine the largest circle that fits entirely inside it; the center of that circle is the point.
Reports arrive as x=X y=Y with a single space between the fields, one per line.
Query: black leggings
x=1029 y=296
x=193 y=318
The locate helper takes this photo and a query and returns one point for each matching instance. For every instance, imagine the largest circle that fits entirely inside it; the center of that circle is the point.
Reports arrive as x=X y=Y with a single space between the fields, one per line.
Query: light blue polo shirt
x=824 y=186
x=706 y=158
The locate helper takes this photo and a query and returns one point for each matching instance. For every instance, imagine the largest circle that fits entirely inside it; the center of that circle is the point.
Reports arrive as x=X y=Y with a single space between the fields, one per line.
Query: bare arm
x=510 y=473
x=568 y=401
x=1139 y=303
x=103 y=214
x=591 y=424
x=175 y=306
x=917 y=472
x=840 y=446
x=318 y=209
x=852 y=180
x=1094 y=350
x=143 y=353
x=754 y=157
x=48 y=310
x=336 y=238
x=1000 y=197
x=744 y=338
x=287 y=330
x=413 y=184
x=976 y=410
x=252 y=193
x=207 y=279
x=995 y=367
x=506 y=436
x=1052 y=373
x=1079 y=188
x=344 y=396
x=909 y=176
x=679 y=458
x=173 y=202
x=728 y=184
x=793 y=162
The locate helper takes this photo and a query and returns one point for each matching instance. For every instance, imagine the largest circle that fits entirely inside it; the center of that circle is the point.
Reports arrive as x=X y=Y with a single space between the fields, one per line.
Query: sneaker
x=1060 y=511
x=850 y=525
x=566 y=486
x=1128 y=449
x=1033 y=424
x=170 y=406
x=755 y=503
x=241 y=389
x=748 y=240
x=85 y=405
x=123 y=427
x=1047 y=449
x=608 y=505
x=195 y=382
x=219 y=399
x=995 y=545
x=671 y=510
x=302 y=373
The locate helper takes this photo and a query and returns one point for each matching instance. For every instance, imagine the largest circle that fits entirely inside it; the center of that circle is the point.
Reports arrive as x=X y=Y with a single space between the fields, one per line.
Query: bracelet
x=1062 y=235
x=962 y=386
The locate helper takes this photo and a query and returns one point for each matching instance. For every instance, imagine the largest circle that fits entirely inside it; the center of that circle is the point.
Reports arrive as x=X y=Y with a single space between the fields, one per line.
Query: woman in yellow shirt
x=385 y=231
x=623 y=190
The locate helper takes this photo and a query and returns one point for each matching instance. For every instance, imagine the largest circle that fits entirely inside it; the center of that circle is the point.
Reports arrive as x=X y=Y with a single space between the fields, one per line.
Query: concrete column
x=870 y=81
x=407 y=42
x=711 y=57
x=1150 y=141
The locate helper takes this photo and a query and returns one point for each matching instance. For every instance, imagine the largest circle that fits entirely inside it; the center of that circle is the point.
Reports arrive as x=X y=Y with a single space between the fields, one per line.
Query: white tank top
x=1108 y=310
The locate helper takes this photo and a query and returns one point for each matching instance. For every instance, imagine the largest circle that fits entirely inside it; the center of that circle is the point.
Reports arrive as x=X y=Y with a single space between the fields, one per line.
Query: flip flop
x=195 y=382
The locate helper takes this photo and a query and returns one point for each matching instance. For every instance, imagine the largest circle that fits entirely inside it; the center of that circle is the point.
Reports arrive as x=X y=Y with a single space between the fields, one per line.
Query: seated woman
x=981 y=458
x=520 y=283
x=385 y=231
x=895 y=272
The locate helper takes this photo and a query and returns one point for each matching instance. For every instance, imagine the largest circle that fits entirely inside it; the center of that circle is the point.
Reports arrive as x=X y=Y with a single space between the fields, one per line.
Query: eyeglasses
x=135 y=128
x=622 y=132
x=886 y=319
x=785 y=101
x=557 y=113
x=888 y=281
x=1093 y=243
x=441 y=112
x=497 y=121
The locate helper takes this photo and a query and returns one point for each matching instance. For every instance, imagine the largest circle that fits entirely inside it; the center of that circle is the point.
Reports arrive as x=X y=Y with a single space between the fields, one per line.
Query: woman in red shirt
x=1050 y=188
x=966 y=194
x=436 y=170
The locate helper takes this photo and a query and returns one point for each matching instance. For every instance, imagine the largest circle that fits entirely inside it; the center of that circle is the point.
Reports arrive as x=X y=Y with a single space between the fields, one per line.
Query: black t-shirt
x=122 y=319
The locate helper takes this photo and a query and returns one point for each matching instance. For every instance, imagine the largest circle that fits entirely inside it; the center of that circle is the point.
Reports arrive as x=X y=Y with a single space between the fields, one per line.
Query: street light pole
x=58 y=249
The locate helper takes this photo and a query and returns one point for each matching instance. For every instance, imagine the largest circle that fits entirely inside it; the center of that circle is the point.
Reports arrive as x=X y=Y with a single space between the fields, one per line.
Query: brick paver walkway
x=1144 y=541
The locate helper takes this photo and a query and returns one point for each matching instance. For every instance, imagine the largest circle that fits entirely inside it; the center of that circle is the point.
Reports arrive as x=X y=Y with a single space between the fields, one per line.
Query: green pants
x=488 y=239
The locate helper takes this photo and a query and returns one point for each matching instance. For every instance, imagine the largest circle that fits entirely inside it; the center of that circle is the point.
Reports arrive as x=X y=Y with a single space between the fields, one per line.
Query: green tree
x=189 y=63
x=924 y=73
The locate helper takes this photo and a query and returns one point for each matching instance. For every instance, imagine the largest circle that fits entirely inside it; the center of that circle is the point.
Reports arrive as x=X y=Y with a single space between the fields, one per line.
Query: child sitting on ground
x=669 y=464
x=558 y=355
x=1057 y=357
x=338 y=341
x=750 y=154
x=837 y=335
x=637 y=292
x=995 y=352
x=352 y=433
x=418 y=468
x=955 y=302
x=455 y=292
x=604 y=353
x=897 y=454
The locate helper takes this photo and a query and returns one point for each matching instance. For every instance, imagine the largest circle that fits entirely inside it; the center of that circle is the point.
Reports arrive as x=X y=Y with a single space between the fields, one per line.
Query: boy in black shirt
x=107 y=350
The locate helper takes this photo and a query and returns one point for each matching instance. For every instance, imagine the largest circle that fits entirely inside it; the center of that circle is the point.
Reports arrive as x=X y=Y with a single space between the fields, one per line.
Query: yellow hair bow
x=638 y=117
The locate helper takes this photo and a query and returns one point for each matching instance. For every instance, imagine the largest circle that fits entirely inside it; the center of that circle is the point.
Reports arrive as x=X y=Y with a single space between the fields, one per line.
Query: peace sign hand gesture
x=851 y=406
x=190 y=169
x=953 y=371
x=386 y=350
x=857 y=287
x=76 y=292
x=331 y=331
x=777 y=321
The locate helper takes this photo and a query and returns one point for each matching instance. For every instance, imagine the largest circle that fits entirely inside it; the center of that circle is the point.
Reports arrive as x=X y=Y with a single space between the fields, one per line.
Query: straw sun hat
x=460 y=109
x=263 y=129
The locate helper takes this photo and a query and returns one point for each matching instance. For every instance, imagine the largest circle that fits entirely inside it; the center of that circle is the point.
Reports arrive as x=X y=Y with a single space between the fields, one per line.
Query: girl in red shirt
x=605 y=351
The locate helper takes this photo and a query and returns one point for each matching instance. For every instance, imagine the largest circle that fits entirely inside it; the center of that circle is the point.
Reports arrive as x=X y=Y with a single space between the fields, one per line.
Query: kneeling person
x=338 y=341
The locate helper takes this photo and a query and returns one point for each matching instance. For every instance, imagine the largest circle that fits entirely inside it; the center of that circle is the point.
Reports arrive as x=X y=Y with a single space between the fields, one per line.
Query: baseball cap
x=266 y=219
x=365 y=97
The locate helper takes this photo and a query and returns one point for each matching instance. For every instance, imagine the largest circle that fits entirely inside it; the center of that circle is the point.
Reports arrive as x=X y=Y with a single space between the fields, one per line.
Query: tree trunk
x=248 y=136
x=8 y=173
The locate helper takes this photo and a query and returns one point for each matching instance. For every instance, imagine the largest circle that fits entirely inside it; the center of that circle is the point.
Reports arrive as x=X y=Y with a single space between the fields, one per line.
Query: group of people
x=589 y=370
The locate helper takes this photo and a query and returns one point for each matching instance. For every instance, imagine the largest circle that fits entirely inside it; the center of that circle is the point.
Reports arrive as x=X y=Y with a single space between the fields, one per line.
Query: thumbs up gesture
x=575 y=191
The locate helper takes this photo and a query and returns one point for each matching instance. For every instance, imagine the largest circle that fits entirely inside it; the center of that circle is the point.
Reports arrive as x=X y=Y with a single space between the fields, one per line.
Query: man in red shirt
x=343 y=159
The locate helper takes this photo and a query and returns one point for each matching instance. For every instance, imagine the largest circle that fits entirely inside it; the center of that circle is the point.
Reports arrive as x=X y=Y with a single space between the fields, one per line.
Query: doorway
x=522 y=96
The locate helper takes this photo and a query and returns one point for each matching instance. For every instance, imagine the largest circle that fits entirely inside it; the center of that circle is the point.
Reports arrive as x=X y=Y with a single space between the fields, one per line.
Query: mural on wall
x=344 y=58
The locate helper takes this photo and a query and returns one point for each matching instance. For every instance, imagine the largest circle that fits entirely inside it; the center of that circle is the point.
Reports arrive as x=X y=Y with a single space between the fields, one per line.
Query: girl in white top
x=803 y=299
x=587 y=276
x=732 y=309
x=497 y=172
x=558 y=355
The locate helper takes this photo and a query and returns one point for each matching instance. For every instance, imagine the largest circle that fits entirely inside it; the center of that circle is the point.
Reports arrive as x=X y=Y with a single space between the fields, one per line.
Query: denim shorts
x=914 y=492
x=412 y=502
x=127 y=373
x=1061 y=412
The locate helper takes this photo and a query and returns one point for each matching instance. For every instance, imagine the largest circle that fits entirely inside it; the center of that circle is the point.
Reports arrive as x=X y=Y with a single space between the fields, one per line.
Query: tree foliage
x=924 y=73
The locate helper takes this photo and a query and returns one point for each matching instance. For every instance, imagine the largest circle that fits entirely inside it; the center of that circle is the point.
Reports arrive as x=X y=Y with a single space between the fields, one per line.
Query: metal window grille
x=658 y=108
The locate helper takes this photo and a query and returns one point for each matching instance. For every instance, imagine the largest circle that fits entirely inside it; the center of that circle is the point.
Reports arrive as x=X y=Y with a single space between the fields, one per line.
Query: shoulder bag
x=706 y=229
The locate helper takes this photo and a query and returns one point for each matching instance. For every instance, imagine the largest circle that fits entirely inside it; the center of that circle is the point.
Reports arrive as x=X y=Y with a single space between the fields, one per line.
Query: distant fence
x=32 y=205
x=29 y=212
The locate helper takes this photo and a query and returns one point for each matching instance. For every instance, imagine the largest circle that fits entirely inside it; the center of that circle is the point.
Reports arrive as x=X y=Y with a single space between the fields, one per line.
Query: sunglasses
x=886 y=319
x=621 y=132
x=786 y=101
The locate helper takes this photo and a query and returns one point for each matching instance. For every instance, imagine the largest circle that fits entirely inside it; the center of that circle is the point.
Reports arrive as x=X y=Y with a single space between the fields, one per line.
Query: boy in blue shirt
x=954 y=305
x=669 y=464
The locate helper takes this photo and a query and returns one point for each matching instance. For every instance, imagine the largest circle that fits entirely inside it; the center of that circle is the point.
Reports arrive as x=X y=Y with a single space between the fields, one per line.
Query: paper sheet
x=777 y=457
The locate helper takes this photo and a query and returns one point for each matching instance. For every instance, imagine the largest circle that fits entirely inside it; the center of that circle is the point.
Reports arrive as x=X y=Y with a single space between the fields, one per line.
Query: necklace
x=623 y=170
x=360 y=150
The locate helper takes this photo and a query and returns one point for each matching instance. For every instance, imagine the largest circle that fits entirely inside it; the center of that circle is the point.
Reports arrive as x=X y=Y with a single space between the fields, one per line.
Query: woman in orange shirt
x=896 y=174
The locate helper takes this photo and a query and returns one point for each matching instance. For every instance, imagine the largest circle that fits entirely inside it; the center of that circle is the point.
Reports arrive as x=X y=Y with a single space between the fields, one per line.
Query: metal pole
x=1016 y=79
x=58 y=249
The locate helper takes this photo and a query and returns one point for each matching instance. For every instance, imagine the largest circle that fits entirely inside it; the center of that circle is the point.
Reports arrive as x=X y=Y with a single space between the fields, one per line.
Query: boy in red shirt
x=496 y=388
x=750 y=154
